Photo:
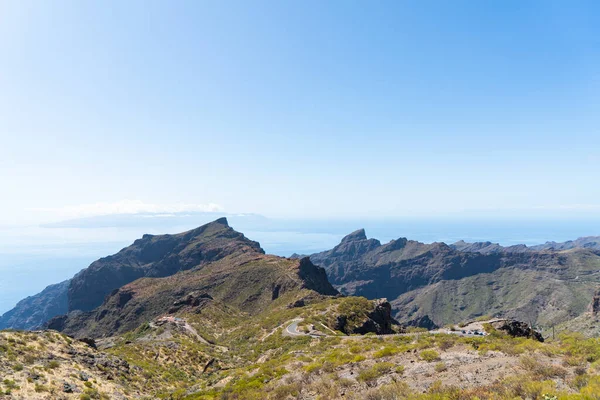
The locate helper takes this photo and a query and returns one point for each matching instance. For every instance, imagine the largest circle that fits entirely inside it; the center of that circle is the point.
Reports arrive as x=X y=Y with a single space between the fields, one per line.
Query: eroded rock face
x=518 y=329
x=378 y=321
x=423 y=322
x=315 y=278
x=194 y=299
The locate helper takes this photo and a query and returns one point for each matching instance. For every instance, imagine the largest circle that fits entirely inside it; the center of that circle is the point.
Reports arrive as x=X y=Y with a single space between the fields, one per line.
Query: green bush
x=429 y=355
x=377 y=370
x=440 y=367
x=385 y=352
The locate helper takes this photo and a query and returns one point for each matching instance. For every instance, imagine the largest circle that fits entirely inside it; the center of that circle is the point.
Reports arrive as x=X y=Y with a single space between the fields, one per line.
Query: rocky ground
x=48 y=365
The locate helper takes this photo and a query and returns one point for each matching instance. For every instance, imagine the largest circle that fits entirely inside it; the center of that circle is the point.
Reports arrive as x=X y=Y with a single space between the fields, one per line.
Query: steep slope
x=364 y=267
x=150 y=256
x=241 y=278
x=448 y=285
x=156 y=256
x=33 y=311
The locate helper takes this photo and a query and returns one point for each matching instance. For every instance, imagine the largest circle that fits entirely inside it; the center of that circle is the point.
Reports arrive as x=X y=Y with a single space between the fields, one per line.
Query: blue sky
x=300 y=108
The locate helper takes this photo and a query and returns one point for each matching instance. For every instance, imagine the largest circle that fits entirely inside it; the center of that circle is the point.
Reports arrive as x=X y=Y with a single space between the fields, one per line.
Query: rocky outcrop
x=356 y=236
x=194 y=299
x=381 y=317
x=377 y=320
x=517 y=329
x=315 y=278
x=32 y=312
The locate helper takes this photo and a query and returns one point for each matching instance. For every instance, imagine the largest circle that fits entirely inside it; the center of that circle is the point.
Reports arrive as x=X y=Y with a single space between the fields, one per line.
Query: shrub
x=10 y=384
x=313 y=367
x=355 y=349
x=429 y=355
x=285 y=391
x=40 y=388
x=377 y=370
x=385 y=352
x=391 y=391
x=29 y=359
x=445 y=342
x=541 y=371
x=440 y=367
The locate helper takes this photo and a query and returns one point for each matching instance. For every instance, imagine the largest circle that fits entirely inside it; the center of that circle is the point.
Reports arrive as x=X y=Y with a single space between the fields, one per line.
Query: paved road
x=292 y=330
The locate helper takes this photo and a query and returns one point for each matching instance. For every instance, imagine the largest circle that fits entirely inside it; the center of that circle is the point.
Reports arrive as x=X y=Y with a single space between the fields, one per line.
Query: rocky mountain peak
x=355 y=236
x=221 y=221
x=157 y=256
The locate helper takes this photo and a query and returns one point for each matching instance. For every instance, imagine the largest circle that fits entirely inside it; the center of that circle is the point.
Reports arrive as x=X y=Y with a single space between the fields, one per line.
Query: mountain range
x=547 y=284
x=207 y=314
x=427 y=284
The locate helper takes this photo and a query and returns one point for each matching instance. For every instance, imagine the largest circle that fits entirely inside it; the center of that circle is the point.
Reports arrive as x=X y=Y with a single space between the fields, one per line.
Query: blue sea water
x=33 y=257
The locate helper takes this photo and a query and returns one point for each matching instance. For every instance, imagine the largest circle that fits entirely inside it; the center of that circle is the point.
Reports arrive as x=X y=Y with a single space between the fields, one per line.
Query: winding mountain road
x=292 y=330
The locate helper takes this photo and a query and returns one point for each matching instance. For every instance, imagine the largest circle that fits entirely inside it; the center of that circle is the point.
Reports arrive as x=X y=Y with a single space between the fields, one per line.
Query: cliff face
x=448 y=285
x=32 y=312
x=357 y=315
x=364 y=267
x=156 y=256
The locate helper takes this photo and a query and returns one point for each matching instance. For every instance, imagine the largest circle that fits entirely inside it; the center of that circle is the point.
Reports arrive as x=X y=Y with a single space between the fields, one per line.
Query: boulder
x=517 y=329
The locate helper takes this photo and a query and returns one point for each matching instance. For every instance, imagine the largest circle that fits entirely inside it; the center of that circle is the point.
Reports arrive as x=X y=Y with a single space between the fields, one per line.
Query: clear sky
x=299 y=108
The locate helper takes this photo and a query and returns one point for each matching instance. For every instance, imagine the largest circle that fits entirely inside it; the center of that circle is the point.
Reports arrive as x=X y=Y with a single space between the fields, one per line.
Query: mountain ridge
x=212 y=263
x=449 y=283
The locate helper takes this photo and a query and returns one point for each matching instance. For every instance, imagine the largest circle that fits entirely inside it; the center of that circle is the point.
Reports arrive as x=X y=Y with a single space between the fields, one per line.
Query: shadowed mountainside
x=449 y=285
x=33 y=311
